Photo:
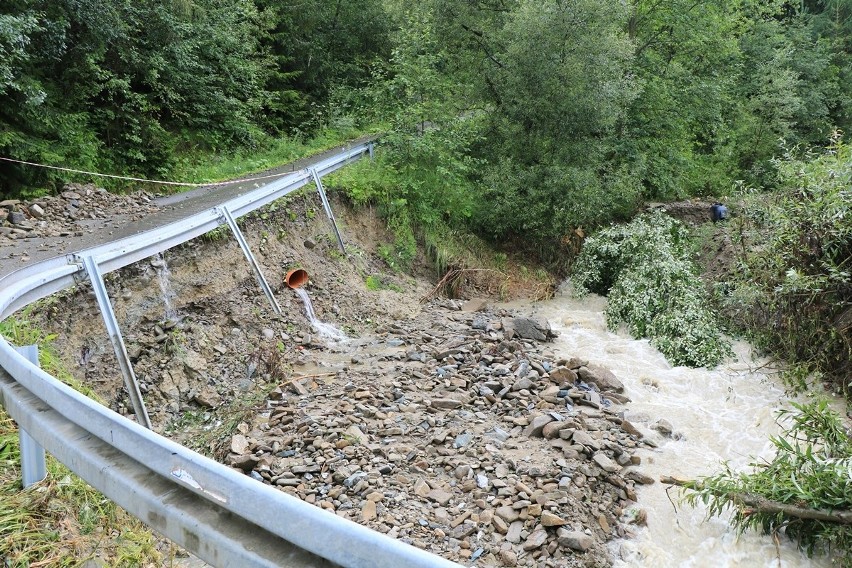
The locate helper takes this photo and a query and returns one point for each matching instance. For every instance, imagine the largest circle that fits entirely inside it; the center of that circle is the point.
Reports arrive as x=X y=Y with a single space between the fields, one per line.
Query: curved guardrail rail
x=222 y=516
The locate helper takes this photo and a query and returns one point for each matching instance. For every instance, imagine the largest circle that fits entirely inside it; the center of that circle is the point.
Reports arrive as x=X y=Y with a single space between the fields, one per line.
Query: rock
x=537 y=425
x=268 y=333
x=36 y=211
x=17 y=218
x=355 y=434
x=482 y=481
x=628 y=427
x=499 y=434
x=663 y=426
x=584 y=438
x=421 y=488
x=499 y=525
x=310 y=243
x=462 y=440
x=605 y=463
x=475 y=305
x=508 y=558
x=463 y=531
x=575 y=540
x=602 y=377
x=548 y=519
x=239 y=444
x=208 y=397
x=445 y=403
x=508 y=514
x=514 y=533
x=194 y=364
x=528 y=328
x=368 y=511
x=638 y=477
x=439 y=496
x=563 y=375
x=245 y=462
x=551 y=430
x=536 y=539
x=522 y=384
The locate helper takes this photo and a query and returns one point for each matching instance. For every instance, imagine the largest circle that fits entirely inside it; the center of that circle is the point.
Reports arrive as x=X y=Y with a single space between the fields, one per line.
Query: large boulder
x=528 y=328
x=602 y=377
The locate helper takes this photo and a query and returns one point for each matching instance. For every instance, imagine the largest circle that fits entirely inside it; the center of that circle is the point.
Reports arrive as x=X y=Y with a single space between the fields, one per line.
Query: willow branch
x=760 y=504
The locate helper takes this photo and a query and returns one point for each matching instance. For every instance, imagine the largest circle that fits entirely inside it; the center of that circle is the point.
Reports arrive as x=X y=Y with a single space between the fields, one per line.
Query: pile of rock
x=76 y=209
x=461 y=437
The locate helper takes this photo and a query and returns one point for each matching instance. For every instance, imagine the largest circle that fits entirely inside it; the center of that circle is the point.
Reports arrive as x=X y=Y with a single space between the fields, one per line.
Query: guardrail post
x=371 y=150
x=33 y=467
x=226 y=213
x=327 y=208
x=130 y=382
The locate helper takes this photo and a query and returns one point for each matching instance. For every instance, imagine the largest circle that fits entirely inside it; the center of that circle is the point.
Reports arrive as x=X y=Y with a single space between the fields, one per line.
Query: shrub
x=646 y=269
x=799 y=491
x=792 y=291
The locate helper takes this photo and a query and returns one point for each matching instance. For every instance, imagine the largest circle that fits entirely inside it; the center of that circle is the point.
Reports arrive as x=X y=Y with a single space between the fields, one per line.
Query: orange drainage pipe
x=296 y=278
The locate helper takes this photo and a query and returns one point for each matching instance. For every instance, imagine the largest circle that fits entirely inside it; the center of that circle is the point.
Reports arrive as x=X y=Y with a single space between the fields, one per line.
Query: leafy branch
x=805 y=491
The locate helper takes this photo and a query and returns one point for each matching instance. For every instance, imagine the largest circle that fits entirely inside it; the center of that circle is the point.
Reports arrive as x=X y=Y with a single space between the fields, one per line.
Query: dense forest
x=576 y=108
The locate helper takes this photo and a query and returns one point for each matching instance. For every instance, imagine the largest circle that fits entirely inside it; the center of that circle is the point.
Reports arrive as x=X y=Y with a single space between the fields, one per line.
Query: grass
x=62 y=521
x=375 y=283
x=20 y=331
x=206 y=167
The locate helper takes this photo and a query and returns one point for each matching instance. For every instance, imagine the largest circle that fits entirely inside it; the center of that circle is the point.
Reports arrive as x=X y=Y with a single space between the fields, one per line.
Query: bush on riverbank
x=792 y=292
x=645 y=268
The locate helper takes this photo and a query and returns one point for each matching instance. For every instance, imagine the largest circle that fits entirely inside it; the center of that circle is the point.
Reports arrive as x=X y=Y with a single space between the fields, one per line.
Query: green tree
x=557 y=90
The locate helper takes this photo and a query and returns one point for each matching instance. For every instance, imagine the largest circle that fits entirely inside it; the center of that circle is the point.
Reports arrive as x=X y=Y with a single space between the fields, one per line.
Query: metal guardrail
x=223 y=516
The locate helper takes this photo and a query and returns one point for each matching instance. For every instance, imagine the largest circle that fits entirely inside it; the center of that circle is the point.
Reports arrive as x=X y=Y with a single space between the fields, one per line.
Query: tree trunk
x=762 y=505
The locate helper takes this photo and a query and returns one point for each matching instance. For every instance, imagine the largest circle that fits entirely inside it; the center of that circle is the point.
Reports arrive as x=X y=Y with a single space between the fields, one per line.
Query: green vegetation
x=20 y=331
x=62 y=521
x=150 y=88
x=791 y=292
x=375 y=283
x=653 y=288
x=803 y=491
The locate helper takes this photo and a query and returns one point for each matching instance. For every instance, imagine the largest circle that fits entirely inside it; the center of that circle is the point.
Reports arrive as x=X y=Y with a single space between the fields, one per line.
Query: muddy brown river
x=725 y=414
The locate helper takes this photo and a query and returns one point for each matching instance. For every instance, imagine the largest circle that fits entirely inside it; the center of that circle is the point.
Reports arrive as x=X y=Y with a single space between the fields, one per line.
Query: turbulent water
x=325 y=330
x=726 y=414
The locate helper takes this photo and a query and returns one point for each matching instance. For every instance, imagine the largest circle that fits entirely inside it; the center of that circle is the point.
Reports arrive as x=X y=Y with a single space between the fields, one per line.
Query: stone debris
x=78 y=209
x=466 y=438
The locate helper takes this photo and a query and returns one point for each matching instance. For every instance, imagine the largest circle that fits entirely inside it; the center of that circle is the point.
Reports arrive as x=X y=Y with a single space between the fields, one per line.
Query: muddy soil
x=444 y=423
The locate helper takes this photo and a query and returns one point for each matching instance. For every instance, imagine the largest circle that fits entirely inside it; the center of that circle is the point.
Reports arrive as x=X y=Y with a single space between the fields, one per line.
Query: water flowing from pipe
x=722 y=414
x=325 y=330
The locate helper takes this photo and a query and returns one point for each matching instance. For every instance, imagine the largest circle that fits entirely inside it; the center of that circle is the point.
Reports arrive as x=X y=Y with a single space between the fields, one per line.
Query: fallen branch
x=759 y=504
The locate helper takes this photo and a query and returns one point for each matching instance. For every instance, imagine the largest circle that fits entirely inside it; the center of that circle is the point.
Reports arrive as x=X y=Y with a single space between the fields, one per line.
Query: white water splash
x=166 y=291
x=325 y=330
x=722 y=414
